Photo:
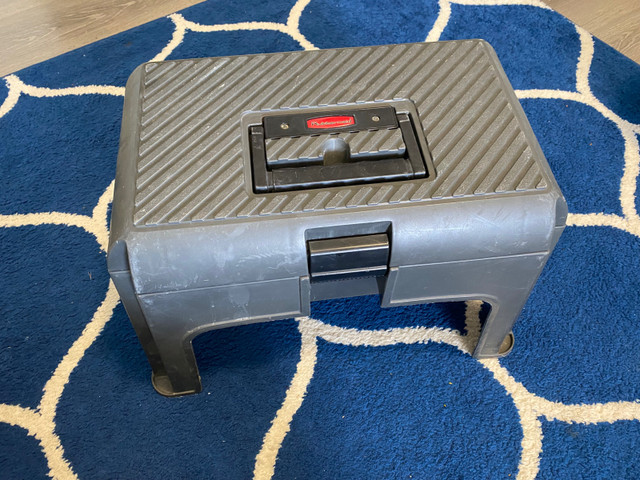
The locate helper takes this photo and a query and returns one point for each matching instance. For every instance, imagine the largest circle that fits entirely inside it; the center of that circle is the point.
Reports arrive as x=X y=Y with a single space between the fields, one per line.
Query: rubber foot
x=507 y=345
x=163 y=386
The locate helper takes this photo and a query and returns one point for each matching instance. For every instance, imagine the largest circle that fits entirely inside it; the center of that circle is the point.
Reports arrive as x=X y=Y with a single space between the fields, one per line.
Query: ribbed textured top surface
x=190 y=162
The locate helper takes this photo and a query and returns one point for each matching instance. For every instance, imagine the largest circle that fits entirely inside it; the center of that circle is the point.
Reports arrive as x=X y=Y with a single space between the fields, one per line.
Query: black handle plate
x=268 y=178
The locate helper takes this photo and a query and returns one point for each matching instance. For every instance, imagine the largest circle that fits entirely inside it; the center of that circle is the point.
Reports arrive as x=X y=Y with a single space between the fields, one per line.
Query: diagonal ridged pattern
x=191 y=164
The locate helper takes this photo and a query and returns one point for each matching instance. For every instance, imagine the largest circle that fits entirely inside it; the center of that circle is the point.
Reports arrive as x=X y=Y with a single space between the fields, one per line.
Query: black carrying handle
x=323 y=122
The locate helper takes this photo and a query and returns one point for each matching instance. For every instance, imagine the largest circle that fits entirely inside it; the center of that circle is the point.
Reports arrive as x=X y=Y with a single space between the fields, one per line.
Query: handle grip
x=336 y=169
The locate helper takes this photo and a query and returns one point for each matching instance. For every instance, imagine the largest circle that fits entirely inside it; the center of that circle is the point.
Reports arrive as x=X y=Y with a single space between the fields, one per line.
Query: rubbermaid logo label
x=330 y=122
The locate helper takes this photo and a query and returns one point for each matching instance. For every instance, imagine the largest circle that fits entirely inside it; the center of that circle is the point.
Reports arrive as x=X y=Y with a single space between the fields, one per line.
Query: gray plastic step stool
x=249 y=186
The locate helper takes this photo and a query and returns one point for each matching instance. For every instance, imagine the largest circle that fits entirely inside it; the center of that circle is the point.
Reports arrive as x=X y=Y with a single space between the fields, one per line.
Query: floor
x=616 y=22
x=34 y=30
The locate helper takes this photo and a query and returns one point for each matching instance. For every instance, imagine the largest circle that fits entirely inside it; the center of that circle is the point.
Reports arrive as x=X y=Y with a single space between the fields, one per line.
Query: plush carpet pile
x=354 y=391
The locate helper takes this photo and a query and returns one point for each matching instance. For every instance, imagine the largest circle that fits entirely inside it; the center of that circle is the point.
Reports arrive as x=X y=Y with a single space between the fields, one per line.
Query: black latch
x=335 y=165
x=348 y=257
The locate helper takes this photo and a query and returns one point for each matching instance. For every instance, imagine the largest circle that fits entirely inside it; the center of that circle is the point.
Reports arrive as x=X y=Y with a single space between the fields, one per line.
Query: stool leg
x=496 y=339
x=123 y=283
x=503 y=282
x=507 y=294
x=168 y=350
x=178 y=373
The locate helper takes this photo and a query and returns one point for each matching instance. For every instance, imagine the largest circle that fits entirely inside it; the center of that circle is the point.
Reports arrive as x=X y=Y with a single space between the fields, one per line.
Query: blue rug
x=353 y=392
